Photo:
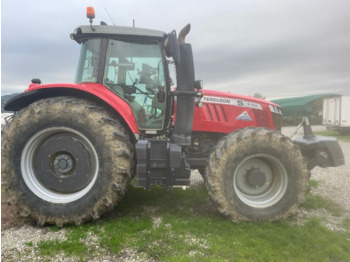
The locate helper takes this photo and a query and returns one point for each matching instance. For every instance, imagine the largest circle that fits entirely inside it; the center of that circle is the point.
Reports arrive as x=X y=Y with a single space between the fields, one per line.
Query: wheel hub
x=260 y=180
x=48 y=171
x=63 y=163
x=255 y=177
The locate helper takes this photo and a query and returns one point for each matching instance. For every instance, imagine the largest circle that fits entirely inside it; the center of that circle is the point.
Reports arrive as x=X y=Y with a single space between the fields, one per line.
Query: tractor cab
x=131 y=63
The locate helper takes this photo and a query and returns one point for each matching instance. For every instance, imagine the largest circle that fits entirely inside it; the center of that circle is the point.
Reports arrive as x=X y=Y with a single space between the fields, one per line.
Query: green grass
x=71 y=246
x=314 y=183
x=317 y=202
x=29 y=244
x=334 y=134
x=346 y=224
x=189 y=228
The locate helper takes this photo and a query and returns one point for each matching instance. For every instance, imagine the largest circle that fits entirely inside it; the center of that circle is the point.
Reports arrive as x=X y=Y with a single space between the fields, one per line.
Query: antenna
x=109 y=16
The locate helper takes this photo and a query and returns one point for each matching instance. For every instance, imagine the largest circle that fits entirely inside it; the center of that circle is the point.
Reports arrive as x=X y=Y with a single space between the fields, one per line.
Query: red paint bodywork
x=222 y=118
x=211 y=117
x=122 y=107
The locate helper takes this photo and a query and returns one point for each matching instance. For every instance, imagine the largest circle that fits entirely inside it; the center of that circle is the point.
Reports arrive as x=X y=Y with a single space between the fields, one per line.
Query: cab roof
x=86 y=31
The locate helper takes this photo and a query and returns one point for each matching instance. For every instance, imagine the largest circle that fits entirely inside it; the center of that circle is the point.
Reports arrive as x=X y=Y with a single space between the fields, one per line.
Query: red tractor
x=71 y=150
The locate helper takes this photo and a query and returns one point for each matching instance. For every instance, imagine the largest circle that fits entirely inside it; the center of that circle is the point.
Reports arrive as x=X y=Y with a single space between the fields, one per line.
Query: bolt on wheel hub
x=260 y=180
x=63 y=164
x=59 y=164
x=255 y=177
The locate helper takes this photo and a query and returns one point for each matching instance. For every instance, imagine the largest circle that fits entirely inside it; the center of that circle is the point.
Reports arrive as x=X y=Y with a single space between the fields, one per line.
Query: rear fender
x=96 y=93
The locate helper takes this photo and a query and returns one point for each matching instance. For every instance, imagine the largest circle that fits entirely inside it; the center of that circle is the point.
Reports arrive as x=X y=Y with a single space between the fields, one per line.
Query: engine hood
x=223 y=112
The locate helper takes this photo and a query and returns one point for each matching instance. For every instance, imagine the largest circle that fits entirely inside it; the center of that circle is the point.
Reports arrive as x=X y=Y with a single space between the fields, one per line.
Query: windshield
x=88 y=62
x=135 y=72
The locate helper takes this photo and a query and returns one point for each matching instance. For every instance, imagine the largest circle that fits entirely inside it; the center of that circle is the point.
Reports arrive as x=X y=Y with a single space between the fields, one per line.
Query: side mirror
x=198 y=84
x=172 y=47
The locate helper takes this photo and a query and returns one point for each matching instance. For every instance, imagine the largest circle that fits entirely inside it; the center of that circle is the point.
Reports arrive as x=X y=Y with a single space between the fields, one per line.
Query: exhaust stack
x=185 y=82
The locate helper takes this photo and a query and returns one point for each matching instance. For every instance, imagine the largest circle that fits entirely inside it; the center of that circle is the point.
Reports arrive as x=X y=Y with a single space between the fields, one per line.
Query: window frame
x=167 y=123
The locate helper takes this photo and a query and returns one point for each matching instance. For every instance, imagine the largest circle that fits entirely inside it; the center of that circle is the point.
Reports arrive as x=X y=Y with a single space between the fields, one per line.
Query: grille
x=277 y=121
x=262 y=118
x=215 y=112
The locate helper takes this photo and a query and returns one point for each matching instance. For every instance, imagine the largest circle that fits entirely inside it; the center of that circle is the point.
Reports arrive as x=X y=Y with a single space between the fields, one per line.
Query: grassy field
x=184 y=226
x=334 y=134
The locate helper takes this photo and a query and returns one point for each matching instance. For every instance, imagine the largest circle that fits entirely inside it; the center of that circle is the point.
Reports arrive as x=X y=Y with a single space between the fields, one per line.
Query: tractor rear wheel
x=65 y=160
x=257 y=174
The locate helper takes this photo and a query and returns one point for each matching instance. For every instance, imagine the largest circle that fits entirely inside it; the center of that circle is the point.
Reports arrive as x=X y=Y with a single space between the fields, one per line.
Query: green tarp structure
x=300 y=106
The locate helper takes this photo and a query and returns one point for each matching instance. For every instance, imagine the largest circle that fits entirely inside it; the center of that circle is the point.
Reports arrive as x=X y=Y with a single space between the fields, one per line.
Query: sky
x=276 y=48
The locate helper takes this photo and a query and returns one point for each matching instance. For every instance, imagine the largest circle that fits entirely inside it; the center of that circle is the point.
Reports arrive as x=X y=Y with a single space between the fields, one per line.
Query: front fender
x=94 y=92
x=320 y=151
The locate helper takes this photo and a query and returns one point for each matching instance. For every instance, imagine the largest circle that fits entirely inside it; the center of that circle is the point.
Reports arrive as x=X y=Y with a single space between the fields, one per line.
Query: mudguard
x=320 y=151
x=94 y=92
x=21 y=100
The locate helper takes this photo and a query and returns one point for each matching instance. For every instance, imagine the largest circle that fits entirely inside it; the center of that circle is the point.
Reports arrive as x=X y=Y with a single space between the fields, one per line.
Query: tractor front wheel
x=65 y=160
x=257 y=174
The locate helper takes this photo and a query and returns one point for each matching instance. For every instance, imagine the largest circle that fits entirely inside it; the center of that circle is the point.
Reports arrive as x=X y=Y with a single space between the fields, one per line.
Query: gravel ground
x=334 y=184
x=17 y=233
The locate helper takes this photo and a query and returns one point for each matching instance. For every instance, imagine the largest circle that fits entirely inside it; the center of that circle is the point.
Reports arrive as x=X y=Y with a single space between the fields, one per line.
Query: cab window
x=88 y=65
x=134 y=71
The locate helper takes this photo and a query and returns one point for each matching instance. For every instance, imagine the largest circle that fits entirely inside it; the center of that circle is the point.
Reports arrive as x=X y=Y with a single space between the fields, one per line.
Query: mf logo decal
x=244 y=116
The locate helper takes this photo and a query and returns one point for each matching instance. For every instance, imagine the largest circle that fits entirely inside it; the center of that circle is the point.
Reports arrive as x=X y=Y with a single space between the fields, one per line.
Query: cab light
x=90 y=12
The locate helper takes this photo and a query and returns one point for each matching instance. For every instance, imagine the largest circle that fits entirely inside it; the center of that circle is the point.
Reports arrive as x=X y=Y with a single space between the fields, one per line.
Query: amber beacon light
x=90 y=12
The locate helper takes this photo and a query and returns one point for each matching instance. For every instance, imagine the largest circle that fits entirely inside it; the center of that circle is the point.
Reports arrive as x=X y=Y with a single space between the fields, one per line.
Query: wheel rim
x=59 y=164
x=260 y=180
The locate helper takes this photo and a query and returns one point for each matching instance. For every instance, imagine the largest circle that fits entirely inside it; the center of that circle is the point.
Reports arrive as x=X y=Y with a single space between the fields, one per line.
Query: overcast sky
x=277 y=48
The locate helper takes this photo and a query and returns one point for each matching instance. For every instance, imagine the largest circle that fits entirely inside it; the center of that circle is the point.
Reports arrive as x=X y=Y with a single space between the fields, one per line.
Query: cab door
x=135 y=72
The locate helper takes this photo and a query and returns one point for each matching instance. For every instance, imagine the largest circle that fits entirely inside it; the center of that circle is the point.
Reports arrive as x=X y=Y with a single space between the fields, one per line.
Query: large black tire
x=65 y=160
x=257 y=174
